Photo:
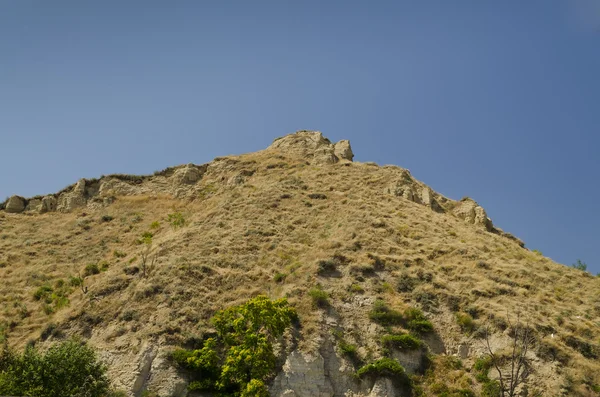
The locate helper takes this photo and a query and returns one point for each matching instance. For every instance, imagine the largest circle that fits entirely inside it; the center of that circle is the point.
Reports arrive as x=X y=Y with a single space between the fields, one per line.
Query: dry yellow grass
x=266 y=236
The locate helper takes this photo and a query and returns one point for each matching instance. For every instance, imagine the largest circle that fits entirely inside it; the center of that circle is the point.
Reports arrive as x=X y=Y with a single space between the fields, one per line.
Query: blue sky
x=496 y=100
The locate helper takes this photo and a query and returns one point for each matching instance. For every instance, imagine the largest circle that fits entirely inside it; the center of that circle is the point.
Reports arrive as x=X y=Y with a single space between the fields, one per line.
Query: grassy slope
x=237 y=238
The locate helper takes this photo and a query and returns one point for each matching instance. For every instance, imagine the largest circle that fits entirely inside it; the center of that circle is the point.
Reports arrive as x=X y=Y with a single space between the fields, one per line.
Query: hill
x=137 y=265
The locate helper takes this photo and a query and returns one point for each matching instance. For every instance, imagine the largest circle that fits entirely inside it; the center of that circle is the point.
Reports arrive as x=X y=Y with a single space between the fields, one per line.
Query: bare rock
x=34 y=205
x=343 y=150
x=110 y=187
x=463 y=351
x=312 y=145
x=187 y=175
x=48 y=204
x=471 y=212
x=15 y=204
x=303 y=376
x=427 y=196
x=73 y=199
x=383 y=387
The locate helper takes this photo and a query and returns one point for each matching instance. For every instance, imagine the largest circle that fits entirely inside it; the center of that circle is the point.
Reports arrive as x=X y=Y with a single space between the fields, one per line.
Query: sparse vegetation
x=176 y=220
x=381 y=313
x=579 y=265
x=319 y=297
x=235 y=244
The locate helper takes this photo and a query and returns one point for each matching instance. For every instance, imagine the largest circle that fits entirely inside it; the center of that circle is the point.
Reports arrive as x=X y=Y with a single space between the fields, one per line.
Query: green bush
x=416 y=321
x=381 y=313
x=91 y=269
x=119 y=254
x=43 y=293
x=420 y=326
x=240 y=358
x=466 y=323
x=401 y=341
x=579 y=265
x=384 y=367
x=66 y=369
x=319 y=297
x=176 y=220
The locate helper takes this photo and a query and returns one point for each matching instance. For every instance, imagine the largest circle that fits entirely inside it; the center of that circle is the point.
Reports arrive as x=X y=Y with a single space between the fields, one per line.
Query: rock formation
x=314 y=147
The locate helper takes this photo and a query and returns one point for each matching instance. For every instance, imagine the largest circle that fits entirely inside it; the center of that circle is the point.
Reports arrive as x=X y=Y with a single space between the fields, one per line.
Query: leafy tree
x=66 y=369
x=240 y=358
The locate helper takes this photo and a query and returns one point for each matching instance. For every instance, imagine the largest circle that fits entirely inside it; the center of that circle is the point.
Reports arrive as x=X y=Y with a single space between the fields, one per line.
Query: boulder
x=48 y=204
x=471 y=212
x=187 y=175
x=15 y=204
x=343 y=150
x=34 y=205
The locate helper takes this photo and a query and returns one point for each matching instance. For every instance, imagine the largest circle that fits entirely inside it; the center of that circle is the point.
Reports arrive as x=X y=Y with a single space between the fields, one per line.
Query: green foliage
x=417 y=321
x=155 y=225
x=319 y=297
x=43 y=292
x=381 y=313
x=579 y=265
x=255 y=388
x=176 y=220
x=240 y=357
x=75 y=281
x=279 y=277
x=384 y=367
x=465 y=321
x=66 y=369
x=119 y=254
x=489 y=387
x=91 y=269
x=401 y=341
x=146 y=238
x=53 y=299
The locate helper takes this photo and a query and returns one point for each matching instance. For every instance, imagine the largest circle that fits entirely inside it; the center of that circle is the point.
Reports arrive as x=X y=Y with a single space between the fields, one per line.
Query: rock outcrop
x=471 y=212
x=313 y=146
x=15 y=204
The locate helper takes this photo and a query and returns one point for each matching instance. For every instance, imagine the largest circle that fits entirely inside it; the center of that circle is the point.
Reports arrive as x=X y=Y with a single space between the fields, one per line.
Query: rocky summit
x=398 y=290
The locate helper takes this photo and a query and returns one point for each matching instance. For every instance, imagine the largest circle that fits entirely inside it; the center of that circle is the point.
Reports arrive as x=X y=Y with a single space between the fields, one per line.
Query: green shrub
x=384 y=367
x=357 y=289
x=465 y=322
x=176 y=220
x=401 y=341
x=66 y=369
x=405 y=283
x=119 y=254
x=319 y=297
x=240 y=358
x=91 y=269
x=420 y=326
x=155 y=225
x=279 y=277
x=43 y=293
x=381 y=313
x=579 y=265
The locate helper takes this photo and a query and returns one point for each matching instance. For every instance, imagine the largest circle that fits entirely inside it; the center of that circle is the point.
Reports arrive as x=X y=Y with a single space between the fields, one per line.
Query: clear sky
x=496 y=100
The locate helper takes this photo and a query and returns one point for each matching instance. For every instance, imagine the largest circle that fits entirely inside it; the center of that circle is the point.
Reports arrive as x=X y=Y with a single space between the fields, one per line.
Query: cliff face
x=296 y=216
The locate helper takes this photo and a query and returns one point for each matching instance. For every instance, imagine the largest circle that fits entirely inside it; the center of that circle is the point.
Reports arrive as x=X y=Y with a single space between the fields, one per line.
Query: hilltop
x=342 y=240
